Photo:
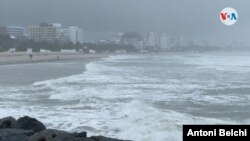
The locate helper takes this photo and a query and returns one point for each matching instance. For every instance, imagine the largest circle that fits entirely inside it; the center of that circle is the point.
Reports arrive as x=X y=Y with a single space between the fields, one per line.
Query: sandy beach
x=23 y=57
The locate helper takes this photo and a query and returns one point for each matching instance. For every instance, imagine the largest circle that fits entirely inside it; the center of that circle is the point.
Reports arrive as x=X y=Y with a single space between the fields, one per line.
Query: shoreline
x=24 y=58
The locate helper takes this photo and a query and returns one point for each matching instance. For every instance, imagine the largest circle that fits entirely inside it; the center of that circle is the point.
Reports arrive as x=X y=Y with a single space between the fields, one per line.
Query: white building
x=165 y=42
x=44 y=32
x=68 y=50
x=12 y=50
x=152 y=40
x=16 y=32
x=45 y=51
x=58 y=25
x=91 y=51
x=54 y=31
x=29 y=50
x=73 y=34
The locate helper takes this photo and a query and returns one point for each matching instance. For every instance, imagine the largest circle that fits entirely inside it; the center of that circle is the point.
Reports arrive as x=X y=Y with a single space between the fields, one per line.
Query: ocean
x=141 y=97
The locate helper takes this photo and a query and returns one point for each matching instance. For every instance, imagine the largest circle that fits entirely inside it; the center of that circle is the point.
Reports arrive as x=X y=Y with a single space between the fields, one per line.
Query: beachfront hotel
x=16 y=32
x=73 y=34
x=54 y=31
x=43 y=32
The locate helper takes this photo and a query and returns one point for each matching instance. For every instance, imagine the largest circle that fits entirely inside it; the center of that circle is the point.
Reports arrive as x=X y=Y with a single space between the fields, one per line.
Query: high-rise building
x=165 y=42
x=133 y=39
x=74 y=34
x=44 y=32
x=16 y=32
x=151 y=40
x=54 y=31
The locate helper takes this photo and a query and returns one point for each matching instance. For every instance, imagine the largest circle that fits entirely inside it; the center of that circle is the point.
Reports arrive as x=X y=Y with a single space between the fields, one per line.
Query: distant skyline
x=195 y=19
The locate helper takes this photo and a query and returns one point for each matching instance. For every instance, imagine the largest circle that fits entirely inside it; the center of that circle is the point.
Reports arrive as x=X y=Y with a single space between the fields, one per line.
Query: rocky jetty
x=30 y=129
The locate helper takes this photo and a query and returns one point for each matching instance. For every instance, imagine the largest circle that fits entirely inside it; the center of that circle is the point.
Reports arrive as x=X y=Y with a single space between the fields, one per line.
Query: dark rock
x=16 y=131
x=29 y=124
x=16 y=137
x=101 y=138
x=7 y=122
x=83 y=139
x=30 y=129
x=52 y=135
x=81 y=135
x=13 y=135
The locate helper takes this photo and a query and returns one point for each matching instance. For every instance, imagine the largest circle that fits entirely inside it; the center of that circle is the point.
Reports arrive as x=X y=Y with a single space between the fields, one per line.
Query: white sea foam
x=224 y=62
x=144 y=123
x=118 y=96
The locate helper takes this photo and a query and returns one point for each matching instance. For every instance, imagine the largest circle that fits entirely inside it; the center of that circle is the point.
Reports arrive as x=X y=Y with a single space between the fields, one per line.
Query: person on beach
x=31 y=56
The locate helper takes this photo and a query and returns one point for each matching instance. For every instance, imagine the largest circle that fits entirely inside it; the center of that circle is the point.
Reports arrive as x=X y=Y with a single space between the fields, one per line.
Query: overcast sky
x=196 y=19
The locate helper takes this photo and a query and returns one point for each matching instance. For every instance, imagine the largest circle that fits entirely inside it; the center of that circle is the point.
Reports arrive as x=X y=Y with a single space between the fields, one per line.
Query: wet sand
x=23 y=57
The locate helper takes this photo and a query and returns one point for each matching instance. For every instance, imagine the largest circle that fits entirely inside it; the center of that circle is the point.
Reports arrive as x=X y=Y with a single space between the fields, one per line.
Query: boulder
x=12 y=135
x=30 y=129
x=7 y=122
x=81 y=135
x=102 y=138
x=29 y=124
x=83 y=139
x=52 y=135
x=16 y=131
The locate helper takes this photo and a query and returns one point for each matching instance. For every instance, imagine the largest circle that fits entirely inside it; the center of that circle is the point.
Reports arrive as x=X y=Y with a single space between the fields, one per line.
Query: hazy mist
x=195 y=19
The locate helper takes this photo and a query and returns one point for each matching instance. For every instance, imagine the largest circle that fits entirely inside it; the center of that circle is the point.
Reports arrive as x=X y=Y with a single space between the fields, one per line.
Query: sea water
x=139 y=97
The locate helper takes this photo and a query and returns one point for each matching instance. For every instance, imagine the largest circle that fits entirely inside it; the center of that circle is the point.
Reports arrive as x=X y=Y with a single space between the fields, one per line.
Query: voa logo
x=229 y=16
